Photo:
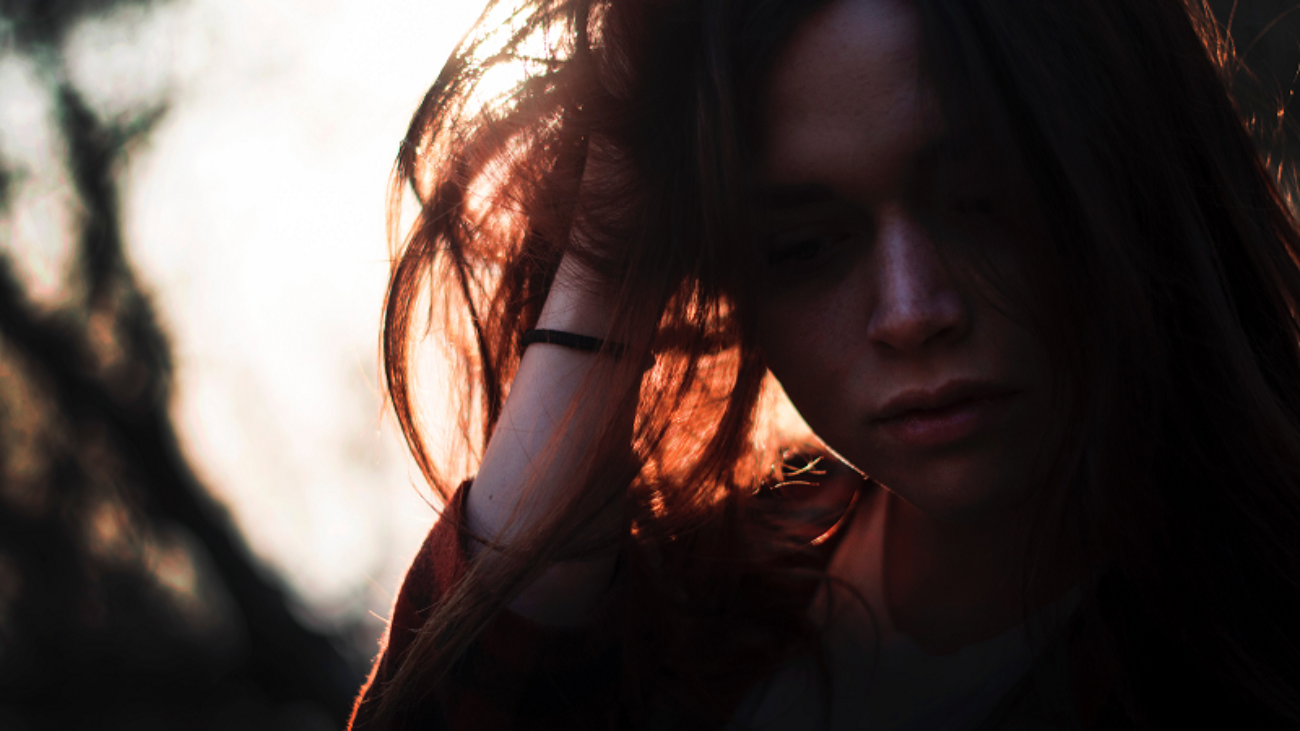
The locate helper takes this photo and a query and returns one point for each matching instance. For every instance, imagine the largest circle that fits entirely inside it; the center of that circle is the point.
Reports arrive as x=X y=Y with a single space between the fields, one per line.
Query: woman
x=1015 y=262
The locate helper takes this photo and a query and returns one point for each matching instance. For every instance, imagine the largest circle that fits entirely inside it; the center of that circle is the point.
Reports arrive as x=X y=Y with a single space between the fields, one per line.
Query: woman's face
x=893 y=356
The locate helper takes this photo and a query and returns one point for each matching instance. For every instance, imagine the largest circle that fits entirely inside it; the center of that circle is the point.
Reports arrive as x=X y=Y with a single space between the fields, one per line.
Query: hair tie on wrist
x=574 y=341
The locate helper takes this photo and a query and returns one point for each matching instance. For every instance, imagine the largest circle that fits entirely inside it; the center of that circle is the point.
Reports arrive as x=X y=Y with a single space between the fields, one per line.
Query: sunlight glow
x=42 y=217
x=255 y=214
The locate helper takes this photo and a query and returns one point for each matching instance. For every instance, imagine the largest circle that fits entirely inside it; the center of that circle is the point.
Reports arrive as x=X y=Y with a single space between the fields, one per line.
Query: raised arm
x=556 y=408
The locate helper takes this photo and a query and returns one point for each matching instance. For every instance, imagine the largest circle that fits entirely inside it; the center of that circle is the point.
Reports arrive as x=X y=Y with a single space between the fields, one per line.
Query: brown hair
x=1169 y=297
x=1166 y=293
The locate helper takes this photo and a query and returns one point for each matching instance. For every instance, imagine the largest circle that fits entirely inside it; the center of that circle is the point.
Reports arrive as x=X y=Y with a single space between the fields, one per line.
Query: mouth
x=951 y=413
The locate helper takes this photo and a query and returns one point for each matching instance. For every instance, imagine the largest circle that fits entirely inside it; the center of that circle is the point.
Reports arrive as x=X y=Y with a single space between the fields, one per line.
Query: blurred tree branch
x=126 y=595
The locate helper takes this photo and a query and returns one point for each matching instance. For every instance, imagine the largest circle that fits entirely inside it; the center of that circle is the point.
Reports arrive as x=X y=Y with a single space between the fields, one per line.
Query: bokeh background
x=204 y=509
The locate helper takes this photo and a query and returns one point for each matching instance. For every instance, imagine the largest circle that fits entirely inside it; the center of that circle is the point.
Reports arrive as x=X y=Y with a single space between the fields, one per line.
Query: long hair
x=1168 y=295
x=1165 y=290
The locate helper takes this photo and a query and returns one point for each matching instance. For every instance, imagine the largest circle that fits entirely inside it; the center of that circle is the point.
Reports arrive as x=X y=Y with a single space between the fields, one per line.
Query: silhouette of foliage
x=127 y=598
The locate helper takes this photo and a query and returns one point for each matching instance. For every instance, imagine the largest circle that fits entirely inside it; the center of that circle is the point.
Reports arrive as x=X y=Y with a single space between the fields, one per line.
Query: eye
x=803 y=249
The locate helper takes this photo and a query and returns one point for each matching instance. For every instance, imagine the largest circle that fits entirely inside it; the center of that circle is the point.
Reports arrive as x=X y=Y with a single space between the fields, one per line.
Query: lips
x=951 y=413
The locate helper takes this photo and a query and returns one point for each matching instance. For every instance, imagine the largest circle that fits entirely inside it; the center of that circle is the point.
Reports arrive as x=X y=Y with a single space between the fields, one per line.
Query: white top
x=879 y=678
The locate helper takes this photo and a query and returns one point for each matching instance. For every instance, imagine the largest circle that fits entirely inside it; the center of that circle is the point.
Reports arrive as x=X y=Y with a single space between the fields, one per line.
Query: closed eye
x=803 y=250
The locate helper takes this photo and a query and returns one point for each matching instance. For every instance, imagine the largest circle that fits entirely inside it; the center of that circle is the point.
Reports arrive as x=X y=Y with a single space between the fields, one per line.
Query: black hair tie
x=574 y=341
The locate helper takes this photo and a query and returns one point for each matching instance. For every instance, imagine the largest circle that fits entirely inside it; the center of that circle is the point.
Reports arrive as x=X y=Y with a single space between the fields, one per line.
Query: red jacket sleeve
x=518 y=674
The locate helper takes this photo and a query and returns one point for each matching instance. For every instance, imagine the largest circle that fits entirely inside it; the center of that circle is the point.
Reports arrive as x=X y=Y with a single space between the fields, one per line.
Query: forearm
x=559 y=405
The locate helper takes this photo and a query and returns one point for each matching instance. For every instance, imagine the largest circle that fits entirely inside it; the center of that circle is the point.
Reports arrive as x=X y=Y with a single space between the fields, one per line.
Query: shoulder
x=439 y=564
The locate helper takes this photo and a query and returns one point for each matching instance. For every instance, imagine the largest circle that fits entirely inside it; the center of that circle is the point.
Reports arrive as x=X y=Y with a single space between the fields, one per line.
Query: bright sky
x=255 y=214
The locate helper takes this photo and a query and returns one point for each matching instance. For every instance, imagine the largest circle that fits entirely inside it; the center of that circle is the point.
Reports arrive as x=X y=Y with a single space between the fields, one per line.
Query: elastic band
x=574 y=341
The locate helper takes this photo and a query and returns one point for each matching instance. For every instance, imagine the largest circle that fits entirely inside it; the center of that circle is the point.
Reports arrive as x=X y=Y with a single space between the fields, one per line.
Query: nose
x=917 y=303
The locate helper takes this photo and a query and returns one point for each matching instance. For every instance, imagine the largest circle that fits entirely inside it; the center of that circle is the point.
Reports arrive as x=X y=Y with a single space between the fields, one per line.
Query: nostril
x=916 y=301
x=911 y=328
x=908 y=316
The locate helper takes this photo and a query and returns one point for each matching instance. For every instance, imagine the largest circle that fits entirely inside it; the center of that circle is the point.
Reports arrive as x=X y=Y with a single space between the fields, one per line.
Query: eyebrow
x=956 y=147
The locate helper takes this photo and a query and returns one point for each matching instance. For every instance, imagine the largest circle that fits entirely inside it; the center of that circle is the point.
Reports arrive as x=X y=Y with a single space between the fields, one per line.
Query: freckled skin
x=848 y=109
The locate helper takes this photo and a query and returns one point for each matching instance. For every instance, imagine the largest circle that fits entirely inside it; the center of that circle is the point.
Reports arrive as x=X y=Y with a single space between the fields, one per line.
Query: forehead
x=847 y=105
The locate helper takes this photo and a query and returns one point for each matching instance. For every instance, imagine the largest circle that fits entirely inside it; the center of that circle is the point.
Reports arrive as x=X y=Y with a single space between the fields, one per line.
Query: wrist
x=576 y=303
x=572 y=341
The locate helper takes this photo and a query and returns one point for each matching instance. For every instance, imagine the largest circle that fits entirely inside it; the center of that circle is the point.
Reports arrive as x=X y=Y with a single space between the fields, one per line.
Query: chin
x=965 y=497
